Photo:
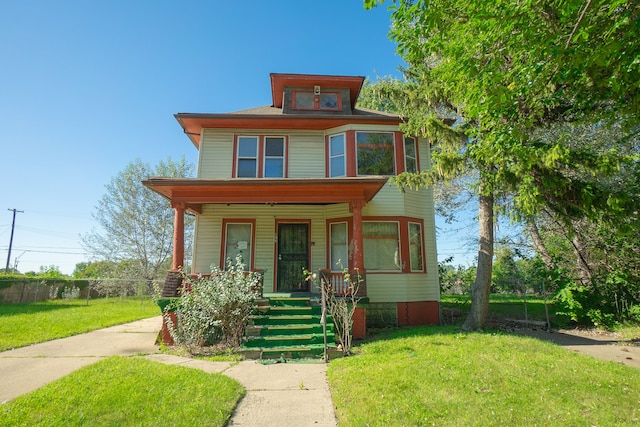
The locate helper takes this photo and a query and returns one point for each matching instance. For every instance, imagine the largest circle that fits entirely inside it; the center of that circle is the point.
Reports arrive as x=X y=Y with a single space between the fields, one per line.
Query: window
x=410 y=155
x=273 y=157
x=339 y=256
x=375 y=153
x=307 y=100
x=238 y=241
x=415 y=247
x=247 y=157
x=337 y=158
x=261 y=157
x=381 y=248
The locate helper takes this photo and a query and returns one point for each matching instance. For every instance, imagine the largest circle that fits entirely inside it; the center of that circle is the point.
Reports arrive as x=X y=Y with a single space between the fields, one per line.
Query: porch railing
x=342 y=288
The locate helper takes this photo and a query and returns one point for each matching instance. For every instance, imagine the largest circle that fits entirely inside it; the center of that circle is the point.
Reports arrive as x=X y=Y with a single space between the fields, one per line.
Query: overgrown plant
x=215 y=309
x=342 y=307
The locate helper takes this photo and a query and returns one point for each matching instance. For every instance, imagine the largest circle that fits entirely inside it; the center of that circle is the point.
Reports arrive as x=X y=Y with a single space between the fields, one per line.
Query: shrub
x=215 y=308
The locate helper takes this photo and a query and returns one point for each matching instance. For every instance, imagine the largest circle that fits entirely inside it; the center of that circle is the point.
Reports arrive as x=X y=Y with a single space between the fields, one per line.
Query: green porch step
x=289 y=302
x=288 y=340
x=292 y=329
x=288 y=327
x=291 y=352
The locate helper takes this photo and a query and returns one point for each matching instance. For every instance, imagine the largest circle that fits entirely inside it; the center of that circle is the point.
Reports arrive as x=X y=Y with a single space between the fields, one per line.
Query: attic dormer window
x=308 y=100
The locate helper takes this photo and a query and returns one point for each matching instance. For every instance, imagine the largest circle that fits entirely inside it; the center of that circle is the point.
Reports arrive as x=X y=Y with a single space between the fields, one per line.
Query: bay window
x=375 y=153
x=381 y=246
x=337 y=157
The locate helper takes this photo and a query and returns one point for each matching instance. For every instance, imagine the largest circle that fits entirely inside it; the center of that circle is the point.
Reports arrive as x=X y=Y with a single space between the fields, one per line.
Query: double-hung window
x=261 y=157
x=381 y=246
x=238 y=241
x=339 y=246
x=375 y=153
x=247 y=157
x=274 y=157
x=410 y=155
x=337 y=157
x=416 y=262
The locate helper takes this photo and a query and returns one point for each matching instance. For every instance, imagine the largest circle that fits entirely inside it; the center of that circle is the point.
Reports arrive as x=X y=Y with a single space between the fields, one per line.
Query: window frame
x=399 y=262
x=406 y=156
x=345 y=262
x=249 y=266
x=265 y=157
x=420 y=247
x=344 y=154
x=238 y=158
x=261 y=156
x=392 y=147
x=316 y=100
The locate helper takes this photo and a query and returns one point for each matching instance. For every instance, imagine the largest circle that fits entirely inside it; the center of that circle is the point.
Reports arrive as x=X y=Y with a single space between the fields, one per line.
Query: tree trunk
x=538 y=243
x=481 y=289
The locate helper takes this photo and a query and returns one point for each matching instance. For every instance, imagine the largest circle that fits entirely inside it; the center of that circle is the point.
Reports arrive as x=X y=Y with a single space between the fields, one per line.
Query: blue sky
x=86 y=87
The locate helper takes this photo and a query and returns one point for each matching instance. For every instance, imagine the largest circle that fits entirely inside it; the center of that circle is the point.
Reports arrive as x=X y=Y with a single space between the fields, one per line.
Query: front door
x=292 y=257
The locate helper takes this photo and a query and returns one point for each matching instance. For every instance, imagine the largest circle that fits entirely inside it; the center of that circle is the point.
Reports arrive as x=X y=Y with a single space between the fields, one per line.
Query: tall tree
x=137 y=224
x=506 y=69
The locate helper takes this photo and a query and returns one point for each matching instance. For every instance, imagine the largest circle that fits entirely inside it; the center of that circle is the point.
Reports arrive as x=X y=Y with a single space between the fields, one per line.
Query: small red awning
x=194 y=192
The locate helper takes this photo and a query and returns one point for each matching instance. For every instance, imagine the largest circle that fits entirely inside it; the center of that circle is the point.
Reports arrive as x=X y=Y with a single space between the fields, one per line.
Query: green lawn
x=24 y=324
x=504 y=305
x=439 y=376
x=128 y=392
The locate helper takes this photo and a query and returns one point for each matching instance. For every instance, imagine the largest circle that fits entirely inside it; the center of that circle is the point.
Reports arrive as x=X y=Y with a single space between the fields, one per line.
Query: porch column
x=178 y=236
x=357 y=256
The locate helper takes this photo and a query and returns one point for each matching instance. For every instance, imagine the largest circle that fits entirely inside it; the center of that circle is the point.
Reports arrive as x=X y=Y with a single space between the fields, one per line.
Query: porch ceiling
x=194 y=192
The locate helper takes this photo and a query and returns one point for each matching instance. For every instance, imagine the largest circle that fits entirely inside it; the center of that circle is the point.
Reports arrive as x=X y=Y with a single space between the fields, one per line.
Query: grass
x=439 y=376
x=24 y=324
x=504 y=305
x=128 y=391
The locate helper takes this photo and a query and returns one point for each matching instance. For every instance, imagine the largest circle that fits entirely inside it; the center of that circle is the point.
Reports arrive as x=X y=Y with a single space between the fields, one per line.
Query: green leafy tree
x=505 y=70
x=136 y=223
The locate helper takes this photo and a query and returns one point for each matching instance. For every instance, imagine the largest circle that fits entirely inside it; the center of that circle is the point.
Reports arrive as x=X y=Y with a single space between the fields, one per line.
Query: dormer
x=315 y=94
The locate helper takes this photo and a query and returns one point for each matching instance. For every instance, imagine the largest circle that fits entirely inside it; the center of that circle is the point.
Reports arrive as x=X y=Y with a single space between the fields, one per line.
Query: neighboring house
x=305 y=184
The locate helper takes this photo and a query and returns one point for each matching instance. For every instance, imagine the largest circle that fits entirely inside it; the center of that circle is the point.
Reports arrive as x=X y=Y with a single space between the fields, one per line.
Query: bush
x=215 y=308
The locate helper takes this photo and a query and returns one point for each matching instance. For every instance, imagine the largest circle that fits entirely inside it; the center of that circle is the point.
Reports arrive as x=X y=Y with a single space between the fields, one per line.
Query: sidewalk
x=283 y=394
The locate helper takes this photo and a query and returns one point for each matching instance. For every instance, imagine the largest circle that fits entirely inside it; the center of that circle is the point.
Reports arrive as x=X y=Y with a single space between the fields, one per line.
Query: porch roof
x=194 y=192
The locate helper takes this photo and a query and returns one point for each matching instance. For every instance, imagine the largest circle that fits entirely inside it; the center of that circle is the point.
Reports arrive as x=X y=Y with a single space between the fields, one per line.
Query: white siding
x=306 y=155
x=306 y=159
x=216 y=154
x=209 y=234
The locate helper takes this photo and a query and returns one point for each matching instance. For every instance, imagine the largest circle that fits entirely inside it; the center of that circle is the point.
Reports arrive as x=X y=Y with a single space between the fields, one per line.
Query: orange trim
x=351 y=153
x=398 y=153
x=234 y=167
x=279 y=81
x=197 y=191
x=193 y=123
x=260 y=159
x=223 y=240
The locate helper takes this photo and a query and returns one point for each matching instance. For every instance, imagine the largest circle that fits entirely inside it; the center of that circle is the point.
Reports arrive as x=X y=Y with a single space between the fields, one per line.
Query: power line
x=13 y=224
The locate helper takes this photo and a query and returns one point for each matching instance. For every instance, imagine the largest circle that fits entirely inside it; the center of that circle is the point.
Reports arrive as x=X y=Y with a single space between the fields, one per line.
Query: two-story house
x=305 y=184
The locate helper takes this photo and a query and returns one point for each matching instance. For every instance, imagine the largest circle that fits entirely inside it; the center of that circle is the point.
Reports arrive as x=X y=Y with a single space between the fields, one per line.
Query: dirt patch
x=599 y=344
x=593 y=342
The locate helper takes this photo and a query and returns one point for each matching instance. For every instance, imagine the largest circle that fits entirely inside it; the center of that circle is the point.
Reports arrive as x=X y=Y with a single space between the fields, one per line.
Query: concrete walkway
x=283 y=394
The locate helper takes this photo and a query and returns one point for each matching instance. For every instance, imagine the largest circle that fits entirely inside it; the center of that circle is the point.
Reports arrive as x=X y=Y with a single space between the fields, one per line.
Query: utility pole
x=13 y=225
